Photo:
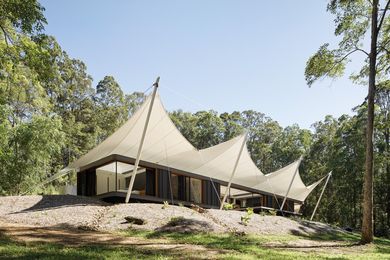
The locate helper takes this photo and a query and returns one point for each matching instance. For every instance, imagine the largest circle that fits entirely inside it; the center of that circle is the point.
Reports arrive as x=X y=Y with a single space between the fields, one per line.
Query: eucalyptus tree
x=382 y=164
x=31 y=133
x=232 y=125
x=290 y=144
x=111 y=106
x=133 y=102
x=26 y=16
x=185 y=122
x=209 y=129
x=355 y=19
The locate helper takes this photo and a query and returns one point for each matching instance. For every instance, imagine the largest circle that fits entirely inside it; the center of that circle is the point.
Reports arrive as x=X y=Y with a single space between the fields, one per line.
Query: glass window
x=139 y=183
x=195 y=190
x=175 y=186
x=269 y=202
x=187 y=185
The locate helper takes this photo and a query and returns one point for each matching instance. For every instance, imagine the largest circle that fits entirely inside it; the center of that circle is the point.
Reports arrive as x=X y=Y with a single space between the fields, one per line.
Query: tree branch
x=5 y=35
x=386 y=50
x=358 y=49
x=383 y=16
x=339 y=61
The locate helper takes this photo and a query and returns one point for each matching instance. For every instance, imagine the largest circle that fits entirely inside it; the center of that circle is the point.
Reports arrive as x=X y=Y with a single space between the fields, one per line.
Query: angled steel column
x=234 y=171
x=142 y=142
x=289 y=187
x=319 y=199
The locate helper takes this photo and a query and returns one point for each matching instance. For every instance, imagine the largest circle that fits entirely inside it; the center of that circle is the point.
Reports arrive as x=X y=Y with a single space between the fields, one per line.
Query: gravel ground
x=87 y=213
x=157 y=218
x=50 y=210
x=267 y=224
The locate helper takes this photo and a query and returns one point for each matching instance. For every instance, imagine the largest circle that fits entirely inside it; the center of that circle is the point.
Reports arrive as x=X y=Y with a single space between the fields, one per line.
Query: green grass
x=230 y=245
x=254 y=246
x=10 y=249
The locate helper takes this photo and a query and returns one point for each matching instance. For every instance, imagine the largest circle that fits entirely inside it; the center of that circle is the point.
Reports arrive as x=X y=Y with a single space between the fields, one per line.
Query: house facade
x=172 y=169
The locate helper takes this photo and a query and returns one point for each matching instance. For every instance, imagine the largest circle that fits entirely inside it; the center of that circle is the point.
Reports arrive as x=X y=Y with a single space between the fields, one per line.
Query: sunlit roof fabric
x=166 y=146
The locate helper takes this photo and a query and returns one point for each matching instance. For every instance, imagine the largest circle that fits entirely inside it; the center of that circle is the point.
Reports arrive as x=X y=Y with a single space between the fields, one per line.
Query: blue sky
x=222 y=55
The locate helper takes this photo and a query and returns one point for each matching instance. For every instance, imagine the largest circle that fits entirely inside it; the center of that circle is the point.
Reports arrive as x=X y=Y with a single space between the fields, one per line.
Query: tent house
x=172 y=169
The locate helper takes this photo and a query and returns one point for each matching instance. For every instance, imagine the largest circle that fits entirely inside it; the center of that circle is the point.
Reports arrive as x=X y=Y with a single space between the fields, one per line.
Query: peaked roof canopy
x=166 y=146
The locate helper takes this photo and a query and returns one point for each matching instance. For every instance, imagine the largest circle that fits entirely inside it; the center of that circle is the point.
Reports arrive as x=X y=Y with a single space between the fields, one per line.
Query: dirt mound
x=155 y=215
x=91 y=214
x=268 y=224
x=51 y=210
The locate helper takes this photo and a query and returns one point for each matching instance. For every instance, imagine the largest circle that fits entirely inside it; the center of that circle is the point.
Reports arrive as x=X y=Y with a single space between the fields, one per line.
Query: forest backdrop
x=51 y=114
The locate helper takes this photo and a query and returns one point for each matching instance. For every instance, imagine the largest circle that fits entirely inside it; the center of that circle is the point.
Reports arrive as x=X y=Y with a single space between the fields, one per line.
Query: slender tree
x=354 y=20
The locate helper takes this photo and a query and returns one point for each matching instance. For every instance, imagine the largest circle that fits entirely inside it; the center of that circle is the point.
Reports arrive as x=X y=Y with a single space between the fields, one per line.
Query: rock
x=198 y=208
x=136 y=221
x=348 y=229
x=240 y=233
x=185 y=225
x=87 y=228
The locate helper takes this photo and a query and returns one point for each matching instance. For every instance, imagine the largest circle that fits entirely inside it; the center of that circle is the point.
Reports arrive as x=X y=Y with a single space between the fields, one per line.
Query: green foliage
x=203 y=129
x=257 y=246
x=272 y=212
x=51 y=114
x=324 y=63
x=25 y=15
x=247 y=217
x=228 y=206
x=355 y=21
x=352 y=23
x=228 y=247
x=269 y=212
x=165 y=205
x=29 y=148
x=111 y=106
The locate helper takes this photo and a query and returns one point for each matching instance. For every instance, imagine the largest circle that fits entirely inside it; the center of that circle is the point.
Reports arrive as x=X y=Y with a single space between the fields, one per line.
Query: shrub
x=166 y=205
x=245 y=219
x=272 y=212
x=228 y=206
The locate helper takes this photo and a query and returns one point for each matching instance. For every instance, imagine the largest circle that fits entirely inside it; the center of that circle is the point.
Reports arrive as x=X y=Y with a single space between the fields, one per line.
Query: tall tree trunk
x=367 y=225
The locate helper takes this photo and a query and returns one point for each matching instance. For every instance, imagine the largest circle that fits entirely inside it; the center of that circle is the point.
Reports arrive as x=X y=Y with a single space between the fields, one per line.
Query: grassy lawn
x=10 y=249
x=253 y=246
x=231 y=247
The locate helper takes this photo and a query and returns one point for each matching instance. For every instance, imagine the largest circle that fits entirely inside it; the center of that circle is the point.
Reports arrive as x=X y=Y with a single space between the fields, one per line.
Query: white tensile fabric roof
x=166 y=146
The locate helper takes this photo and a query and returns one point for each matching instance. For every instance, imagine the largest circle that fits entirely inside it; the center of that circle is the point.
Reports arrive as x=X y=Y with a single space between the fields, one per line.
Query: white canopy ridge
x=164 y=145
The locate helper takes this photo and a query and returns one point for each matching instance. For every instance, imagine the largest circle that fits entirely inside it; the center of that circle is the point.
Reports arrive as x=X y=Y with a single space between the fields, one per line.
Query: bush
x=245 y=219
x=166 y=205
x=228 y=206
x=272 y=212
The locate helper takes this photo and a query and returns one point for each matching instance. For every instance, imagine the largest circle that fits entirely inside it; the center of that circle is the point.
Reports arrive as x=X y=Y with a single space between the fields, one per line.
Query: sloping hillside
x=75 y=212
x=51 y=227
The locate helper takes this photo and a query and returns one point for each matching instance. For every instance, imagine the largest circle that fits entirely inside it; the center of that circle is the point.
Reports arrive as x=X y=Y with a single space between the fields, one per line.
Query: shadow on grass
x=326 y=236
x=186 y=225
x=12 y=249
x=346 y=239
